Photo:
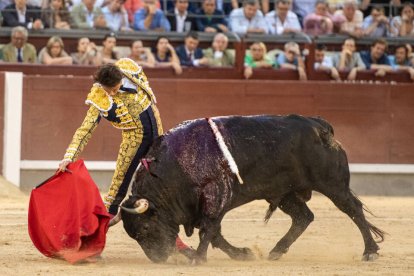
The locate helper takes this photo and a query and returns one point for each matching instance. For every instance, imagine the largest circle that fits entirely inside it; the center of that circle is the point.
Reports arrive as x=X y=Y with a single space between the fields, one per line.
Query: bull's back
x=278 y=153
x=273 y=153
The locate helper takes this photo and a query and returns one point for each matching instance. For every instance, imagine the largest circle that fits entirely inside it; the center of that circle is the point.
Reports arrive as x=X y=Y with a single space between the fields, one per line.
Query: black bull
x=281 y=159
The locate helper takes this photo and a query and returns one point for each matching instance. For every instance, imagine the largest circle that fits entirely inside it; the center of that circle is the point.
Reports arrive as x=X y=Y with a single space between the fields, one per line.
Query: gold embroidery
x=131 y=140
x=99 y=98
x=82 y=134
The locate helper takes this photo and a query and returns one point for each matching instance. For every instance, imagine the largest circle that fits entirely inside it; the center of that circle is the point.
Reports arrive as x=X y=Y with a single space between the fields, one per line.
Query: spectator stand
x=273 y=44
x=334 y=43
x=307 y=44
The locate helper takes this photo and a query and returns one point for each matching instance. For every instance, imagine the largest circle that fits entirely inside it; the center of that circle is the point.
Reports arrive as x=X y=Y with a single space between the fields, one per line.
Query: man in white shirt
x=325 y=63
x=248 y=19
x=282 y=20
x=116 y=16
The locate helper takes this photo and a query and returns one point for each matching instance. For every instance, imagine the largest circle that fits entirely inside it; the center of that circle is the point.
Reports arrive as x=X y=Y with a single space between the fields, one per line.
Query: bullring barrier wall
x=372 y=121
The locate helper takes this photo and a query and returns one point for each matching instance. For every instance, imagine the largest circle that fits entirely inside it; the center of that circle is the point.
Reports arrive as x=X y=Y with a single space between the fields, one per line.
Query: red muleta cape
x=67 y=217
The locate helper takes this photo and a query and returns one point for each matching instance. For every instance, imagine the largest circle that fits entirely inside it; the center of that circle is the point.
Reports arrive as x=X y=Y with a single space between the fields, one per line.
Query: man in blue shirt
x=151 y=18
x=400 y=61
x=376 y=58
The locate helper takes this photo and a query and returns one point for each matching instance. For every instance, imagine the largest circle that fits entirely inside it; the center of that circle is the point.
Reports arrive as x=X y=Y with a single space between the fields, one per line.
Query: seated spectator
x=210 y=19
x=165 y=55
x=351 y=19
x=401 y=61
x=282 y=20
x=403 y=25
x=292 y=59
x=189 y=54
x=320 y=21
x=107 y=52
x=116 y=16
x=390 y=6
x=151 y=18
x=218 y=55
x=167 y=5
x=87 y=53
x=256 y=59
x=181 y=20
x=376 y=24
x=348 y=59
x=56 y=15
x=19 y=50
x=54 y=52
x=86 y=15
x=21 y=14
x=141 y=55
x=376 y=58
x=132 y=6
x=248 y=19
x=325 y=63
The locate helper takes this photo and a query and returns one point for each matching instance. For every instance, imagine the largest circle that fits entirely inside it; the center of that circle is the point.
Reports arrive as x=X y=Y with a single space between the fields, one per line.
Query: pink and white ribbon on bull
x=225 y=150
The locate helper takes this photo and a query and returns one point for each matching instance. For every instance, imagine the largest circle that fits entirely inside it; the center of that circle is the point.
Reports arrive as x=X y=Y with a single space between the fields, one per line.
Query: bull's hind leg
x=236 y=253
x=301 y=217
x=353 y=207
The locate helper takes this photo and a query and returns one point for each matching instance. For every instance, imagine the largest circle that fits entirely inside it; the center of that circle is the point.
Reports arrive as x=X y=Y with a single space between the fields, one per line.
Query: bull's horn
x=141 y=205
x=115 y=219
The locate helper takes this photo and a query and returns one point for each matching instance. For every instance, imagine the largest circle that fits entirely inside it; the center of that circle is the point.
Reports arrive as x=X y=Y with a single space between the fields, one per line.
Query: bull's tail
x=325 y=125
x=378 y=233
x=325 y=132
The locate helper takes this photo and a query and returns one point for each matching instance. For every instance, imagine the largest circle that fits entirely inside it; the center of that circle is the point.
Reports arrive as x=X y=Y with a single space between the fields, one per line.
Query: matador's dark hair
x=108 y=75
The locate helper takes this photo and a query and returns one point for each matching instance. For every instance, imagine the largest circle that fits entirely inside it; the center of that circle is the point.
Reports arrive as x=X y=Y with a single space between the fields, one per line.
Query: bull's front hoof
x=198 y=261
x=245 y=254
x=189 y=253
x=273 y=256
x=370 y=257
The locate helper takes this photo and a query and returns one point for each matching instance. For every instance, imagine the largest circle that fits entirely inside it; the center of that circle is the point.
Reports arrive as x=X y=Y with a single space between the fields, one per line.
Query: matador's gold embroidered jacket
x=122 y=110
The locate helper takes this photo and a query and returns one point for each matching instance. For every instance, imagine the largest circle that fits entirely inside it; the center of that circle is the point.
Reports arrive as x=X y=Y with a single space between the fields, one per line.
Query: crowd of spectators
x=312 y=17
x=374 y=18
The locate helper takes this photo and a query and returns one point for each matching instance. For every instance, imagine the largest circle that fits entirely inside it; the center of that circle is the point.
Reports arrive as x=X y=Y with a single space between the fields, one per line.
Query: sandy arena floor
x=332 y=245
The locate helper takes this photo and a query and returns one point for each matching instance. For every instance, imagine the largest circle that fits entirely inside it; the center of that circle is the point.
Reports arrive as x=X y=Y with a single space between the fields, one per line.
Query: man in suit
x=218 y=55
x=189 y=53
x=21 y=14
x=18 y=50
x=180 y=18
x=210 y=19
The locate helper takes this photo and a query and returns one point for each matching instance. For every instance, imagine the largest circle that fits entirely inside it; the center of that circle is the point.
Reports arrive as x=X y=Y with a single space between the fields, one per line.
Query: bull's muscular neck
x=175 y=201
